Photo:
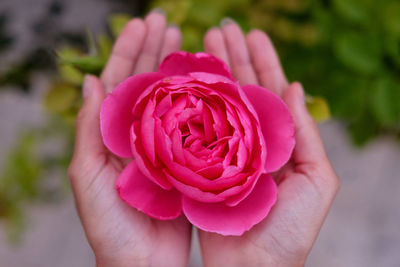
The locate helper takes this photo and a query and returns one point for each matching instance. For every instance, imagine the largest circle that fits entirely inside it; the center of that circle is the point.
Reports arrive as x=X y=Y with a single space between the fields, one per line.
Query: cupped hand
x=307 y=184
x=118 y=234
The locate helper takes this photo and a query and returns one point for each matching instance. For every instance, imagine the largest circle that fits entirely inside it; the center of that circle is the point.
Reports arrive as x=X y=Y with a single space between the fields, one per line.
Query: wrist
x=238 y=256
x=104 y=261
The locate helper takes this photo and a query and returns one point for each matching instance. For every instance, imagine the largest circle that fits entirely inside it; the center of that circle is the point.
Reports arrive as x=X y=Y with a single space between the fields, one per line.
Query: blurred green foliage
x=345 y=51
x=25 y=177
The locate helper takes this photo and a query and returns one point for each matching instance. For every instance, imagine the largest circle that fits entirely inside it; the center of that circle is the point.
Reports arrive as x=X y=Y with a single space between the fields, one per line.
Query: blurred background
x=345 y=52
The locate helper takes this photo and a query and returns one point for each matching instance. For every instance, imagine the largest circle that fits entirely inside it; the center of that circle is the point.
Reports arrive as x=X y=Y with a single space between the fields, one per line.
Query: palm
x=112 y=225
x=281 y=234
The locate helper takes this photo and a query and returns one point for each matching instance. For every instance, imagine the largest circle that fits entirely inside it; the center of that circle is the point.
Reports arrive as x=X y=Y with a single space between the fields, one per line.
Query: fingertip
x=158 y=10
x=214 y=44
x=93 y=93
x=226 y=21
x=212 y=35
x=174 y=32
x=172 y=41
x=136 y=25
x=256 y=34
x=87 y=86
x=309 y=146
x=266 y=61
x=150 y=54
x=256 y=37
x=156 y=17
x=88 y=138
x=229 y=26
x=124 y=53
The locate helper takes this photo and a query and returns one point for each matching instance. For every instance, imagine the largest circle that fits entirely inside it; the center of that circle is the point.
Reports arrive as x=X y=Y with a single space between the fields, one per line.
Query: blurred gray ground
x=362 y=228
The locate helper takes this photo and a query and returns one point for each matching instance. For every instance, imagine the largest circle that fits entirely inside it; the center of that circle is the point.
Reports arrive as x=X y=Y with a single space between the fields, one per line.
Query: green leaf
x=392 y=45
x=385 y=99
x=91 y=43
x=86 y=64
x=70 y=74
x=318 y=108
x=360 y=52
x=363 y=129
x=354 y=10
x=66 y=53
x=61 y=97
x=117 y=22
x=391 y=17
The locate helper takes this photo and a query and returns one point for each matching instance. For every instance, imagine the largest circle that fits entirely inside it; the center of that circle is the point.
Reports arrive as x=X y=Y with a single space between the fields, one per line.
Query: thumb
x=88 y=140
x=309 y=146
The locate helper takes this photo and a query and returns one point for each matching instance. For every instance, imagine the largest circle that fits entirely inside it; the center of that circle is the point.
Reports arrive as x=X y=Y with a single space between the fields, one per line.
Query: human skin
x=118 y=234
x=122 y=236
x=307 y=184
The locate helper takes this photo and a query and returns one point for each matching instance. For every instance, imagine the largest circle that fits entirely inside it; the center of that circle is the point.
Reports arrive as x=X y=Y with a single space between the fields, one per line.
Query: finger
x=124 y=54
x=309 y=147
x=172 y=42
x=214 y=44
x=88 y=140
x=237 y=51
x=266 y=62
x=148 y=59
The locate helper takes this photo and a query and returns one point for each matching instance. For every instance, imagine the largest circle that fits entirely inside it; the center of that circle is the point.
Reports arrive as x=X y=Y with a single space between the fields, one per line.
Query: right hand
x=307 y=184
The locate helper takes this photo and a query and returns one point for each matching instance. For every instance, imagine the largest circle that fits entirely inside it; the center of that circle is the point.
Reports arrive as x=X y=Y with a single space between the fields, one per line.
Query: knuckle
x=332 y=181
x=72 y=170
x=337 y=183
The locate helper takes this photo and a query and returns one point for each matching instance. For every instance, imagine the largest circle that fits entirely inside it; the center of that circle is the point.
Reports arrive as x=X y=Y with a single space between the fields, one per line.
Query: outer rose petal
x=116 y=112
x=225 y=220
x=139 y=192
x=276 y=125
x=182 y=63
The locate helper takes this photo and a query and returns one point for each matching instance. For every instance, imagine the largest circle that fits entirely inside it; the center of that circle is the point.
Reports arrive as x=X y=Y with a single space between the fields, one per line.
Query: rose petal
x=163 y=143
x=163 y=106
x=181 y=63
x=276 y=123
x=236 y=194
x=139 y=192
x=177 y=149
x=211 y=171
x=147 y=131
x=193 y=162
x=146 y=167
x=208 y=121
x=221 y=219
x=194 y=192
x=116 y=117
x=169 y=120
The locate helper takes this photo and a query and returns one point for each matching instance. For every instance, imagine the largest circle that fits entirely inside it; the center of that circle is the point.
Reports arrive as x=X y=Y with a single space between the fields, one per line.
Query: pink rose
x=201 y=143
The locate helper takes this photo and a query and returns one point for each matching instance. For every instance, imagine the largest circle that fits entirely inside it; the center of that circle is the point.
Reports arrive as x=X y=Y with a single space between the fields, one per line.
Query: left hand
x=118 y=234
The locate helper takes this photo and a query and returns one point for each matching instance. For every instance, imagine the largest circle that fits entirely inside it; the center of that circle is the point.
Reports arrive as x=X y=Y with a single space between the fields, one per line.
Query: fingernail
x=158 y=10
x=87 y=85
x=226 y=21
